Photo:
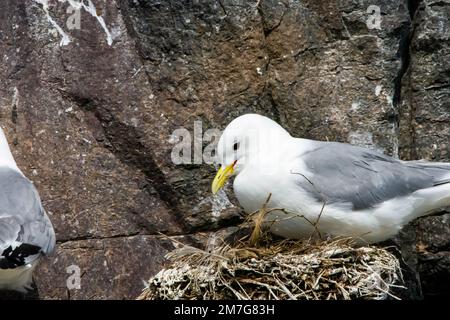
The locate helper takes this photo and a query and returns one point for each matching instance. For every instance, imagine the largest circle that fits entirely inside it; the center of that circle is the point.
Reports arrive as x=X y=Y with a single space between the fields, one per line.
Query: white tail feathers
x=432 y=200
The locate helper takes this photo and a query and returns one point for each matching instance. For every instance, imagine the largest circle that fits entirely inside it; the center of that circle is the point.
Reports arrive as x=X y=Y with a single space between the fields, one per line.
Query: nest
x=282 y=270
x=260 y=267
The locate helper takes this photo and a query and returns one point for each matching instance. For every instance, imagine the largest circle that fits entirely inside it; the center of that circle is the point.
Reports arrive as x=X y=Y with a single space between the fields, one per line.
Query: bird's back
x=365 y=178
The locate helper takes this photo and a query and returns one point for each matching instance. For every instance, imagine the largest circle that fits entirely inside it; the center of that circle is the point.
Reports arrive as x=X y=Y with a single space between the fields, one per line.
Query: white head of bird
x=248 y=141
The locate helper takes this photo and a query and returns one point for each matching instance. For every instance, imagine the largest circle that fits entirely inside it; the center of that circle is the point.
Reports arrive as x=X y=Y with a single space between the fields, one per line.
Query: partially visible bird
x=341 y=189
x=26 y=232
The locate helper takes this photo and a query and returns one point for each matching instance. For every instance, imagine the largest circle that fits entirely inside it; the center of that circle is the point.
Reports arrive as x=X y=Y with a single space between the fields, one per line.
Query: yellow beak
x=222 y=177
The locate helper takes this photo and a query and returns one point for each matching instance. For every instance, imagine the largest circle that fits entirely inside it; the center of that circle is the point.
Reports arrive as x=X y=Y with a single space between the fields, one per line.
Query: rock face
x=424 y=245
x=91 y=95
x=425 y=105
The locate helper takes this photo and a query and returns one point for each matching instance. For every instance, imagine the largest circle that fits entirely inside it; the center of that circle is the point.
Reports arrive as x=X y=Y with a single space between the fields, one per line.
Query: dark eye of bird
x=236 y=146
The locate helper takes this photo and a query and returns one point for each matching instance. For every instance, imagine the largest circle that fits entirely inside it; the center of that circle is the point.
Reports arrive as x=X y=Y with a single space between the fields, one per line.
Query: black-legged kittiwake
x=26 y=232
x=344 y=190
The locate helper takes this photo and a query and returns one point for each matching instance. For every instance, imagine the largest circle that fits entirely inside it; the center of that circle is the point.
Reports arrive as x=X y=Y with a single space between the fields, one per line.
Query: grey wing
x=349 y=174
x=25 y=230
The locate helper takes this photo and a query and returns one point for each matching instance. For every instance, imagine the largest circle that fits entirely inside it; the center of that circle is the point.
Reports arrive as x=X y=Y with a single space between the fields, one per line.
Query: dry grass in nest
x=284 y=270
x=264 y=268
